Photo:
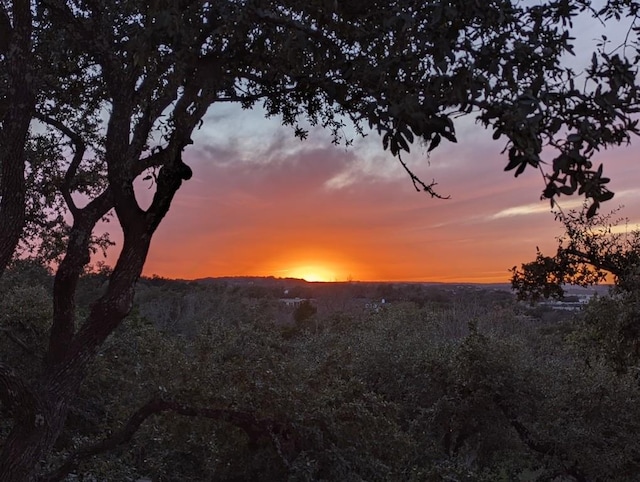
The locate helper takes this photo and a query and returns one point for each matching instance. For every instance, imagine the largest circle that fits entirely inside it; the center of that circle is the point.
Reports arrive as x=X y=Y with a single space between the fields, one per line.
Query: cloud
x=536 y=208
x=524 y=210
x=626 y=228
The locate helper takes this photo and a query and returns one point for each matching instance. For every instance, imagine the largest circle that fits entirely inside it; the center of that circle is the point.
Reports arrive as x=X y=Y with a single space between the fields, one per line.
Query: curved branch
x=277 y=20
x=143 y=127
x=255 y=428
x=596 y=263
x=20 y=343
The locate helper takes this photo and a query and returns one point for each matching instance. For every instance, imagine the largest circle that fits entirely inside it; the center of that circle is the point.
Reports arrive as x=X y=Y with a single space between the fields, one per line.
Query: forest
x=439 y=382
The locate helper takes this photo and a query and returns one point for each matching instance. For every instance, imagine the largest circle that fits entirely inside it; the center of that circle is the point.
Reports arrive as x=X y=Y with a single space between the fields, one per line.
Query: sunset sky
x=263 y=203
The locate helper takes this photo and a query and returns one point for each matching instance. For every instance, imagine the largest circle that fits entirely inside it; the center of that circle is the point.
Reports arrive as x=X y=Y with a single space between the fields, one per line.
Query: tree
x=591 y=250
x=114 y=91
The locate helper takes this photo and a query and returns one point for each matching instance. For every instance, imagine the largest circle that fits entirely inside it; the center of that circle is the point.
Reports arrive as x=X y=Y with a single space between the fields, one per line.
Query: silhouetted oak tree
x=591 y=250
x=95 y=94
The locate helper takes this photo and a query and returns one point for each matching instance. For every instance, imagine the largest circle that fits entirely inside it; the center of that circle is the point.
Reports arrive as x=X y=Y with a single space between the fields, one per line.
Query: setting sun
x=312 y=273
x=305 y=260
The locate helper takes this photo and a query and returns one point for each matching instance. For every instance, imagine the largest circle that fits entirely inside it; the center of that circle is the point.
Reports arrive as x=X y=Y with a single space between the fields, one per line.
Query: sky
x=263 y=203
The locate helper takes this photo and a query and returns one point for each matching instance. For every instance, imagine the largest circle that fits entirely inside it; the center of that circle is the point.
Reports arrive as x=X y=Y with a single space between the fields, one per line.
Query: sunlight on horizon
x=313 y=273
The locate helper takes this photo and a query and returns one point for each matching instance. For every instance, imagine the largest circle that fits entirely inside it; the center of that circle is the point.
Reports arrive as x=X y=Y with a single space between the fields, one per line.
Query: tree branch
x=69 y=271
x=598 y=264
x=419 y=184
x=540 y=447
x=78 y=155
x=274 y=19
x=255 y=429
x=19 y=342
x=142 y=128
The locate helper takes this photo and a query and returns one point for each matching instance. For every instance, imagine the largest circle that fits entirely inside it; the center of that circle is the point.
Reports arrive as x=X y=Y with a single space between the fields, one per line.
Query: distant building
x=577 y=302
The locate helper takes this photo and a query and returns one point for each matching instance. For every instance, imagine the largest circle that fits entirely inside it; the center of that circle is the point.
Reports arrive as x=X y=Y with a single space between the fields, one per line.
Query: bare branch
x=419 y=184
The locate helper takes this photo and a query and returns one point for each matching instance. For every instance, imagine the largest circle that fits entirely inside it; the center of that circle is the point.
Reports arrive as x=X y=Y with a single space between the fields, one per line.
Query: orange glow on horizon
x=312 y=273
x=316 y=265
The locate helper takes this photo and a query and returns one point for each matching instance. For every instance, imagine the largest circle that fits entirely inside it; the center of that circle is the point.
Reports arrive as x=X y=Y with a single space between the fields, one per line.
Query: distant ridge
x=272 y=281
x=268 y=280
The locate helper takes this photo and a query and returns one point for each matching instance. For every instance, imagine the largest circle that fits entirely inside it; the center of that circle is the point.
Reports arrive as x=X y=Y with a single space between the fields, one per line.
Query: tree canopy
x=590 y=251
x=96 y=94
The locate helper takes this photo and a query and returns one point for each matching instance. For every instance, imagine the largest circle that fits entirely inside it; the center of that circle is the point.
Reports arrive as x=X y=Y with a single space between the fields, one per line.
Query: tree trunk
x=32 y=438
x=13 y=133
x=40 y=414
x=12 y=194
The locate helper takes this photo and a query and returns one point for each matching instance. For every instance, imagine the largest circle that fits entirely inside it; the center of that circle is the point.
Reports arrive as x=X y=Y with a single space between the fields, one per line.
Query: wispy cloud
x=535 y=208
x=525 y=210
x=625 y=228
